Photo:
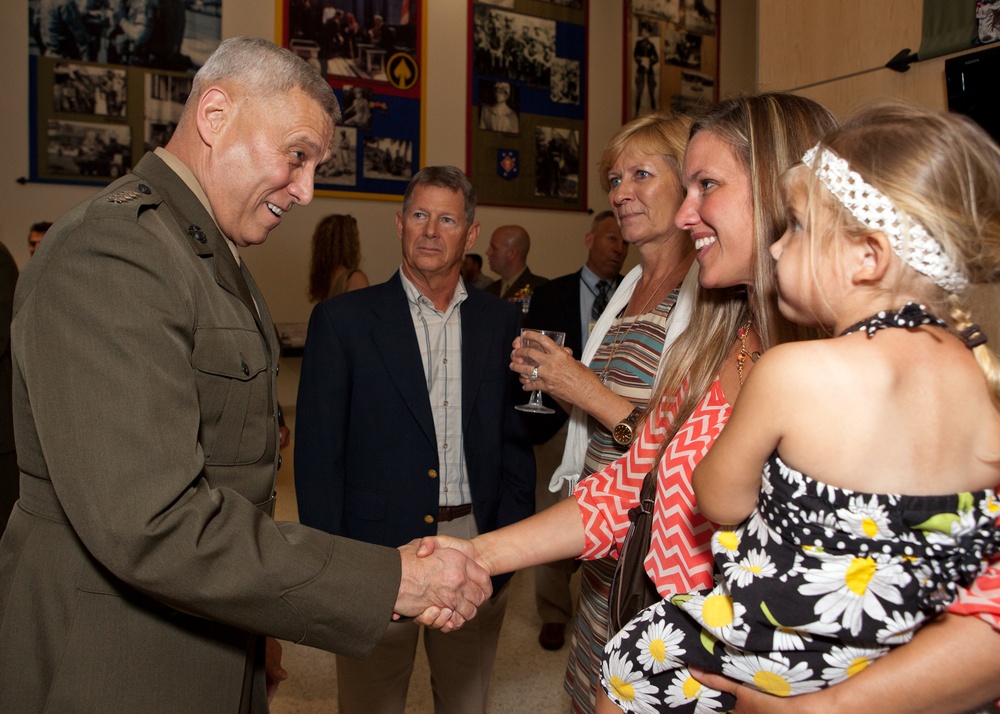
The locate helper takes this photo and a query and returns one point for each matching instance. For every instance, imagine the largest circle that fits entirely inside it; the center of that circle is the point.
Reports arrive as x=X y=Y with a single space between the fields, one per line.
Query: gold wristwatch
x=624 y=431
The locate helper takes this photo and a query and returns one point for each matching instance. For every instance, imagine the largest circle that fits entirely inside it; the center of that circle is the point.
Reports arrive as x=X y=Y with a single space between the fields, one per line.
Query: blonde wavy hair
x=943 y=172
x=767 y=134
x=653 y=134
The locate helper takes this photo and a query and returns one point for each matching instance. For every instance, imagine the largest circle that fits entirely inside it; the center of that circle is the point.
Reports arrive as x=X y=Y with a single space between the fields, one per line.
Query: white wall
x=281 y=264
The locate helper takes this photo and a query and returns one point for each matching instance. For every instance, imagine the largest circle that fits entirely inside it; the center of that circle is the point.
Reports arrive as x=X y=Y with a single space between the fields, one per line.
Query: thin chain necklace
x=635 y=318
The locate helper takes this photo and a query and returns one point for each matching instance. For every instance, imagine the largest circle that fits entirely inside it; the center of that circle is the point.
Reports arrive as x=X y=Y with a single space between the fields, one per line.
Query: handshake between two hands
x=443 y=583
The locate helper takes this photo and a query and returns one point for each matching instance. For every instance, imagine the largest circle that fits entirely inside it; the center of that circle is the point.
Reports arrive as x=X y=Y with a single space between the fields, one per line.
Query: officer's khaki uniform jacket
x=142 y=554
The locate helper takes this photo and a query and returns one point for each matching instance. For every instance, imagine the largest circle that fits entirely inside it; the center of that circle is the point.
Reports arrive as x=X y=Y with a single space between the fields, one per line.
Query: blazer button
x=428 y=519
x=432 y=473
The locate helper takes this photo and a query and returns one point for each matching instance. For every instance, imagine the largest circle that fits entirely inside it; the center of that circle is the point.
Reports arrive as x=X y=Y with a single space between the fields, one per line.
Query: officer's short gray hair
x=266 y=70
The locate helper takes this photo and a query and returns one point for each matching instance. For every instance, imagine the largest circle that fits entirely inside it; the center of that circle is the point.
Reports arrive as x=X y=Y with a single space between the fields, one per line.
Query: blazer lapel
x=397 y=345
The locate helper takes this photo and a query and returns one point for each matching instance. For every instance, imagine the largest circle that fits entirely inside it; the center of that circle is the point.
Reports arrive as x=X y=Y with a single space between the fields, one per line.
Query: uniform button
x=446 y=402
x=143 y=188
x=432 y=473
x=428 y=519
x=246 y=370
x=279 y=463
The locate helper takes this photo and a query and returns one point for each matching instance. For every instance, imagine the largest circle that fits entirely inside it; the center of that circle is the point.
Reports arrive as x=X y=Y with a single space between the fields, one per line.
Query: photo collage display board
x=671 y=61
x=108 y=83
x=371 y=53
x=526 y=124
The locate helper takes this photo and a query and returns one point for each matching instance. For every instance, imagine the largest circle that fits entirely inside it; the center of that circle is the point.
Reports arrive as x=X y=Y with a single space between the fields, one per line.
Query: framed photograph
x=671 y=58
x=105 y=87
x=371 y=53
x=527 y=124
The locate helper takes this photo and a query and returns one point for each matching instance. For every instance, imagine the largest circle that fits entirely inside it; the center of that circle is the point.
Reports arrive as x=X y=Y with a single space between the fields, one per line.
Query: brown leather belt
x=450 y=513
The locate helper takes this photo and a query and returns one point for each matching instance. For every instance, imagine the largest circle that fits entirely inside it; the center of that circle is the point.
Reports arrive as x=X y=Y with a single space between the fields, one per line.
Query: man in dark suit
x=141 y=564
x=508 y=255
x=406 y=427
x=570 y=304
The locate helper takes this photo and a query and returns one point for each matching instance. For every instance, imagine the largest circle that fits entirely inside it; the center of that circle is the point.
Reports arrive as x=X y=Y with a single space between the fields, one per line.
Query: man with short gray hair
x=406 y=427
x=142 y=566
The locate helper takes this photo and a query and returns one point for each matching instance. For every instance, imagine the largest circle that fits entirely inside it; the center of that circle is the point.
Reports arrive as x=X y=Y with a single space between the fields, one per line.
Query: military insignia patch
x=123 y=196
x=508 y=163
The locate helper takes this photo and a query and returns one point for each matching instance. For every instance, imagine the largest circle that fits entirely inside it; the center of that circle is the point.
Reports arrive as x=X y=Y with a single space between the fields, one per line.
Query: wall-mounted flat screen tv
x=974 y=88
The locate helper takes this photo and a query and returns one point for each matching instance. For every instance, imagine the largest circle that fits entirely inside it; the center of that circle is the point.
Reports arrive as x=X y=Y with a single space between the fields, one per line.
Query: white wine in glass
x=534 y=404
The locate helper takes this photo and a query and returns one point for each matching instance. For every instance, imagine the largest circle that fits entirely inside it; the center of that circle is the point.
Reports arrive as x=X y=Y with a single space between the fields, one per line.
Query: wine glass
x=534 y=404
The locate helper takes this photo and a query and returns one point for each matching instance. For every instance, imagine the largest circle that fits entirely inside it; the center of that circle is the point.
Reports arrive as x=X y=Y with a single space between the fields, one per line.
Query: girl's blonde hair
x=767 y=133
x=335 y=243
x=942 y=172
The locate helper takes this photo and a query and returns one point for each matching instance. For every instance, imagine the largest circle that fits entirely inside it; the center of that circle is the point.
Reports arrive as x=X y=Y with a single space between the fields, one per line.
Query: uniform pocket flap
x=229 y=352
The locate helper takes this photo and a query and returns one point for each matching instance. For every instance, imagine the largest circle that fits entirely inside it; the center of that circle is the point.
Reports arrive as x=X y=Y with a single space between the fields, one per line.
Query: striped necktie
x=601 y=299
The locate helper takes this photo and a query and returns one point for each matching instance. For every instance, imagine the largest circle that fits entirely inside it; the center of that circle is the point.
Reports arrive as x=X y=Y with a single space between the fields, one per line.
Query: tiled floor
x=526 y=678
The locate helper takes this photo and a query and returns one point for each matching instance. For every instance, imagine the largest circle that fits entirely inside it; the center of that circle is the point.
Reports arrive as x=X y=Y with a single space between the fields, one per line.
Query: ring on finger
x=534 y=374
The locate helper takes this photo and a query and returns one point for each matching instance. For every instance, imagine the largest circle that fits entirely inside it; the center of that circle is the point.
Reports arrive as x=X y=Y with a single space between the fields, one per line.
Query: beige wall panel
x=923 y=84
x=737 y=47
x=802 y=42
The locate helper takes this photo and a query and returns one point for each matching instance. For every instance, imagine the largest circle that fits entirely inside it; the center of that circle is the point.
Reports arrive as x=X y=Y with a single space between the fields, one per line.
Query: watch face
x=623 y=434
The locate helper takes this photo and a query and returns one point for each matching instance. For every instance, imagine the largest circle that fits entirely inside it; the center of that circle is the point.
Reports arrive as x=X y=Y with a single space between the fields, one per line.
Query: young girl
x=878 y=448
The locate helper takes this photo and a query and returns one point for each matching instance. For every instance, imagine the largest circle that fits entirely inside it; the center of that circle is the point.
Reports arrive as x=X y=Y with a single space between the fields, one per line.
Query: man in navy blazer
x=406 y=427
x=570 y=304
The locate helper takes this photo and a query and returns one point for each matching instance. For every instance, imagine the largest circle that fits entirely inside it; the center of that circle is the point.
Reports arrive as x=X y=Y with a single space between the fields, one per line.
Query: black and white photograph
x=557 y=162
x=572 y=4
x=696 y=95
x=646 y=68
x=508 y=45
x=498 y=106
x=388 y=159
x=76 y=148
x=341 y=168
x=669 y=10
x=564 y=87
x=163 y=105
x=357 y=107
x=682 y=49
x=699 y=16
x=86 y=89
x=352 y=38
x=176 y=35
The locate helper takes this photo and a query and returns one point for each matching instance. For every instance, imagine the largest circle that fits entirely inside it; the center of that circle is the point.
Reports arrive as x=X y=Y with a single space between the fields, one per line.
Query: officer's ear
x=215 y=109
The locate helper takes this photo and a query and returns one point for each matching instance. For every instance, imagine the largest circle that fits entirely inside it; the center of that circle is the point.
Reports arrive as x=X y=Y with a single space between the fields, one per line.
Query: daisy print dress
x=812 y=588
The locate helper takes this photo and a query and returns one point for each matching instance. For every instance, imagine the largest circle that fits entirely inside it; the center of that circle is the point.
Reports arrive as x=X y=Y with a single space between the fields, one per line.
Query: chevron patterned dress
x=680 y=557
x=627 y=360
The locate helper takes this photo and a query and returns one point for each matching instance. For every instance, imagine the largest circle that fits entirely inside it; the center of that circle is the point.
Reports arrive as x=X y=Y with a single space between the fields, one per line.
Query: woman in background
x=336 y=254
